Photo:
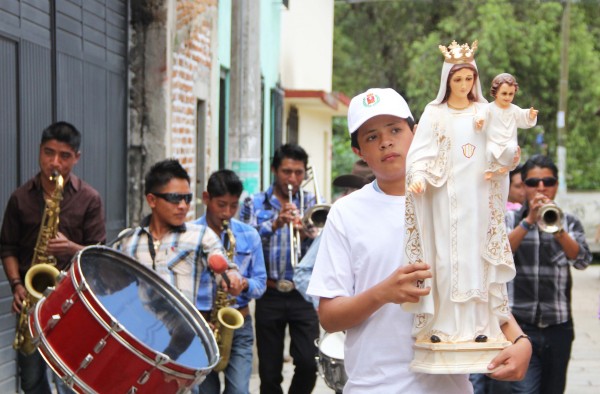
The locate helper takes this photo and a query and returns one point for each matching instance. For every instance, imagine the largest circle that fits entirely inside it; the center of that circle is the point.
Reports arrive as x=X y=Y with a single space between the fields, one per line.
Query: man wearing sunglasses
x=164 y=242
x=541 y=290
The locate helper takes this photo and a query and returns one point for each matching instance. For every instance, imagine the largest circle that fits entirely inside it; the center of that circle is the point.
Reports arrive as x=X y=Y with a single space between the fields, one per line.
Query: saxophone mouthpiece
x=217 y=263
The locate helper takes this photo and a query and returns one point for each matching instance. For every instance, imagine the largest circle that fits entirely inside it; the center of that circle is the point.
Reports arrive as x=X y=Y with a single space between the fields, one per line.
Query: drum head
x=146 y=307
x=332 y=345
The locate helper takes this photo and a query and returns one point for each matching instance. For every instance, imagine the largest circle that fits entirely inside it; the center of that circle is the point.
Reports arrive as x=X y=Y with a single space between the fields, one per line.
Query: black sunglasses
x=549 y=181
x=175 y=198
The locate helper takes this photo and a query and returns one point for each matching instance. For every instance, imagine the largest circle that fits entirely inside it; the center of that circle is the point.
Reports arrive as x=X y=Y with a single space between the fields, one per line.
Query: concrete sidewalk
x=584 y=368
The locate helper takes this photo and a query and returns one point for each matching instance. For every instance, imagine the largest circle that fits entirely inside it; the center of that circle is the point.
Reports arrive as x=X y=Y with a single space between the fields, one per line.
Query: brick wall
x=191 y=57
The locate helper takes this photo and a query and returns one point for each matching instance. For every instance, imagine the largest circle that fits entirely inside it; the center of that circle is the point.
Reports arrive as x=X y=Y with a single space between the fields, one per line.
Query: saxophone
x=223 y=317
x=43 y=272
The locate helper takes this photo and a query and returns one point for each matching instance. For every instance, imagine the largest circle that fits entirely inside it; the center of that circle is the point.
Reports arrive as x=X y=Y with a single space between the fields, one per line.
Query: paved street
x=584 y=369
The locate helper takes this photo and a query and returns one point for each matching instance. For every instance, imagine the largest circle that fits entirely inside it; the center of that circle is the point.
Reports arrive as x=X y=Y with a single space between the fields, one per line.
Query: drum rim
x=138 y=348
x=47 y=352
x=80 y=283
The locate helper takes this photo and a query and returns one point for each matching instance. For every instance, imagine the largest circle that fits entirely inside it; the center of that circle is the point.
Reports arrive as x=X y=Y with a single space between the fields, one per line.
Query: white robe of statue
x=500 y=126
x=457 y=226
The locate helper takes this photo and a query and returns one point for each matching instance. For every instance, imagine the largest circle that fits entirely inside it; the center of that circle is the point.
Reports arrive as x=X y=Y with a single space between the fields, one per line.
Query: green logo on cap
x=370 y=100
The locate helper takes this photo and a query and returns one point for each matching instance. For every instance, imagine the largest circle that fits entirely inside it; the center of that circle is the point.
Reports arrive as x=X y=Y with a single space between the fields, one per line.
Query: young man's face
x=57 y=156
x=516 y=192
x=384 y=141
x=220 y=208
x=505 y=95
x=540 y=174
x=290 y=172
x=170 y=212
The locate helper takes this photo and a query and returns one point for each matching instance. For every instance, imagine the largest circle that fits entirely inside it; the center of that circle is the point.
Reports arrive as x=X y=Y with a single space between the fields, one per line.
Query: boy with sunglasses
x=163 y=242
x=541 y=290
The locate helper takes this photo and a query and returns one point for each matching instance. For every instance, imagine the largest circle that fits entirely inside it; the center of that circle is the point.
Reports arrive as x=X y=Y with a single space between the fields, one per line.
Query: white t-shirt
x=362 y=245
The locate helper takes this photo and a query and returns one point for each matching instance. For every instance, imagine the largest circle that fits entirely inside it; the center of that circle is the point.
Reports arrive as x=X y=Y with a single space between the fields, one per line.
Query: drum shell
x=331 y=368
x=124 y=362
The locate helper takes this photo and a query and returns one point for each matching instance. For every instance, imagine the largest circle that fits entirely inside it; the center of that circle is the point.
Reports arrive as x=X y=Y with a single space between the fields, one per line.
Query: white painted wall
x=307 y=45
x=306 y=63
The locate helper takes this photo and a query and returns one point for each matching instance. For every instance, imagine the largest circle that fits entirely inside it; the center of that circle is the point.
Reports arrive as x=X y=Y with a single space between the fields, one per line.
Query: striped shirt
x=260 y=211
x=179 y=257
x=250 y=261
x=541 y=290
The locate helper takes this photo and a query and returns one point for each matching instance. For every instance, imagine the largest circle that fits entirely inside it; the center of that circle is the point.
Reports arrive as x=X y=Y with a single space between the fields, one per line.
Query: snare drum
x=113 y=325
x=330 y=360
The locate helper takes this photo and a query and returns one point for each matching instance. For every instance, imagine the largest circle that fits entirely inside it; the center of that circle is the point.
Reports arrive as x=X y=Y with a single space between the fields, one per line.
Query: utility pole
x=244 y=137
x=561 y=115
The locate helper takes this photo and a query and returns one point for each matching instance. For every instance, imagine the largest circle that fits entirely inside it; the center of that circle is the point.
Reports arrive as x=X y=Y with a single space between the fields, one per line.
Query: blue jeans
x=547 y=371
x=483 y=384
x=32 y=371
x=239 y=369
x=35 y=379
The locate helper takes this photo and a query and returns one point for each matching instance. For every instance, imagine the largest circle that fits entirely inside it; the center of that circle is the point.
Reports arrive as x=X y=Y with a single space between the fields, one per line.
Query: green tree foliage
x=395 y=44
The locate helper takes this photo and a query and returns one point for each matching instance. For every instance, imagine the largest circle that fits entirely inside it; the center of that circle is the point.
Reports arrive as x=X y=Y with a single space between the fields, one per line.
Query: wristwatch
x=526 y=225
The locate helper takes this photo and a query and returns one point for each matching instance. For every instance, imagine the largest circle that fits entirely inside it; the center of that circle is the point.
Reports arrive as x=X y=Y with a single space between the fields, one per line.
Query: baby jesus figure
x=500 y=122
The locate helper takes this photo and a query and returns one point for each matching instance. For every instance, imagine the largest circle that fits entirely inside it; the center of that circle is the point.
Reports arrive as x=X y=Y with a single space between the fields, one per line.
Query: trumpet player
x=542 y=287
x=274 y=213
x=81 y=223
x=221 y=199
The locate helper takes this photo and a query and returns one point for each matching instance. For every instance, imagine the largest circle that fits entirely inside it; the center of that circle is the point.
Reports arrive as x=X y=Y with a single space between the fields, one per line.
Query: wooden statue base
x=455 y=358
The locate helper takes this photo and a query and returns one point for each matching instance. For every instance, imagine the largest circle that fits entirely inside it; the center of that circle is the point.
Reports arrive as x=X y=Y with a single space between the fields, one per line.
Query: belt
x=245 y=310
x=272 y=284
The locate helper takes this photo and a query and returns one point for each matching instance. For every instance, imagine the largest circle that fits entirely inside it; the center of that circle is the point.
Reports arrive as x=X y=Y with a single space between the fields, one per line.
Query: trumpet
x=295 y=242
x=550 y=218
x=316 y=216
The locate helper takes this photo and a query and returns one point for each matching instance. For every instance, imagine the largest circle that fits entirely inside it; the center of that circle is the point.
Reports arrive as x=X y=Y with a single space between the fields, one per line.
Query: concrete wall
x=586 y=206
x=307 y=52
x=306 y=65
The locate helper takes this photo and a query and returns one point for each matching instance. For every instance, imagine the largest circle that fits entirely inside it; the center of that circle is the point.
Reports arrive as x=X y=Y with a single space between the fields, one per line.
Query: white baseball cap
x=375 y=102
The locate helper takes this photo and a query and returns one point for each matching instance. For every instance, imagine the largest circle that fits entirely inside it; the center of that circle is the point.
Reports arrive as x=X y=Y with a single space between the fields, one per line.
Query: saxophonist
x=81 y=223
x=221 y=198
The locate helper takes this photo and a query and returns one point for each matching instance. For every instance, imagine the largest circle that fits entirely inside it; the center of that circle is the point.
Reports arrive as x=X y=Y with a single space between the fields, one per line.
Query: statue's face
x=461 y=83
x=505 y=95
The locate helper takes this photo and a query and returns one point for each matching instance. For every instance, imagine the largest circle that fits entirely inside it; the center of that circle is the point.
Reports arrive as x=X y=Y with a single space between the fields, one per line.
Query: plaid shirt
x=250 y=261
x=541 y=290
x=179 y=258
x=260 y=211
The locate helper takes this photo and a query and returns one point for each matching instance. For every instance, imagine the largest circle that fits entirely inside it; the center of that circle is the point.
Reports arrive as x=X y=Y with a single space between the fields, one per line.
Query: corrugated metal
x=87 y=87
x=95 y=140
x=35 y=94
x=8 y=120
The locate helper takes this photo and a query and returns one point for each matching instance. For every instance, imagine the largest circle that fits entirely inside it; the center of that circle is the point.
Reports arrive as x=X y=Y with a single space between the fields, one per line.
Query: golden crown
x=458 y=54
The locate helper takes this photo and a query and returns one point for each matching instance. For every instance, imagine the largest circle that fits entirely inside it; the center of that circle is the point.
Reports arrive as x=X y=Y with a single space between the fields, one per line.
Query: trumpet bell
x=316 y=216
x=550 y=218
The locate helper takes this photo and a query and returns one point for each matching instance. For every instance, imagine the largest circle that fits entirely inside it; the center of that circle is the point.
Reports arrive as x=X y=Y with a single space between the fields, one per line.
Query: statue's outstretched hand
x=533 y=113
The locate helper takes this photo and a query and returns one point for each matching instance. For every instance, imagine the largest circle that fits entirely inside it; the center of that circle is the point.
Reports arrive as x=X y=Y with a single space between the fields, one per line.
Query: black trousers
x=275 y=311
x=547 y=373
